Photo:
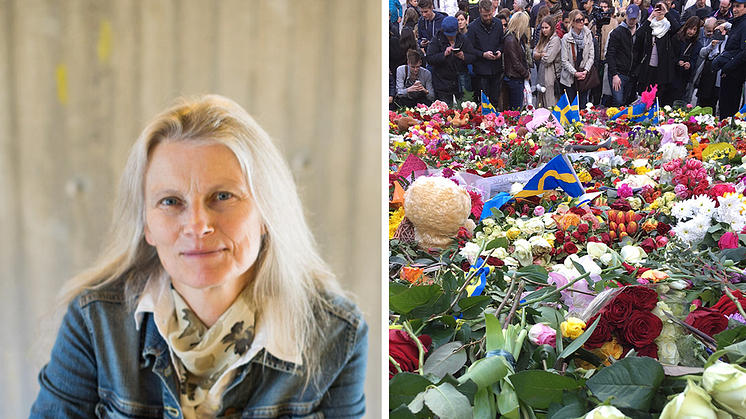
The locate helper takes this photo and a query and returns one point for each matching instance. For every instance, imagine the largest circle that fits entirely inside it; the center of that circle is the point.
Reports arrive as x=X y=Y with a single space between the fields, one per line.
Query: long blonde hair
x=291 y=277
x=518 y=26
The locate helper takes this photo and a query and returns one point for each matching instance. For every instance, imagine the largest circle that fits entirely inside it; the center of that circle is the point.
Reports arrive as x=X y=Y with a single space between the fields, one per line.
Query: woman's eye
x=169 y=202
x=224 y=196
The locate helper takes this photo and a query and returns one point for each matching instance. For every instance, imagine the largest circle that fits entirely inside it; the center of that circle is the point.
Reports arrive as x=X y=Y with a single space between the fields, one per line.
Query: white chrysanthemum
x=684 y=232
x=671 y=151
x=700 y=225
x=682 y=210
x=702 y=205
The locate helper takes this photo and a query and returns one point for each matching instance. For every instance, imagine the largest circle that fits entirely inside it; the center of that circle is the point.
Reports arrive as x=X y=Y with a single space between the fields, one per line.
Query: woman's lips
x=201 y=253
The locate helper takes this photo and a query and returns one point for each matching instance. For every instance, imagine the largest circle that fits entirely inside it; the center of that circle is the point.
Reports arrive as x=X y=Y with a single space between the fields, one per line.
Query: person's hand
x=681 y=63
x=616 y=83
x=424 y=43
x=714 y=42
x=498 y=54
x=687 y=65
x=580 y=75
x=449 y=50
x=721 y=28
x=460 y=55
x=391 y=99
x=489 y=55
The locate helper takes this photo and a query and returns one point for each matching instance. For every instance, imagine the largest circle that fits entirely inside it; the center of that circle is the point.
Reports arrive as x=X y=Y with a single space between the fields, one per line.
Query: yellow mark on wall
x=104 y=41
x=61 y=77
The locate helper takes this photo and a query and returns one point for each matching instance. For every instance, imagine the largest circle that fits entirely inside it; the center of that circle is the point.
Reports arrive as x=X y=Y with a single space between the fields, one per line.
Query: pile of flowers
x=552 y=306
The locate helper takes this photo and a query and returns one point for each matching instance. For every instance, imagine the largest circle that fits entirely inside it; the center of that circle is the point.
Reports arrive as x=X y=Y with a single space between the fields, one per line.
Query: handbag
x=590 y=81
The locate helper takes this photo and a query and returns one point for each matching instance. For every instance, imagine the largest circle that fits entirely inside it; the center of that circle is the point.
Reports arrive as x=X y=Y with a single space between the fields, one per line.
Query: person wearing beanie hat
x=619 y=57
x=448 y=53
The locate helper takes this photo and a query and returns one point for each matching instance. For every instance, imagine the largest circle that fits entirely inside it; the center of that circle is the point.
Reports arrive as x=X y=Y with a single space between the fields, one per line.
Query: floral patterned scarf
x=204 y=354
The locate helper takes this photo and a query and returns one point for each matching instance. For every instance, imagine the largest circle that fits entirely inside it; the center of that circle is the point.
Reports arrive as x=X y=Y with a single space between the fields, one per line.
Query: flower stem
x=396 y=364
x=408 y=329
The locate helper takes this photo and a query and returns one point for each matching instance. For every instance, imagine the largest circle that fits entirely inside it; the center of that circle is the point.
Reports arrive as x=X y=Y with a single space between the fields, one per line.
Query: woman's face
x=578 y=22
x=200 y=217
x=461 y=21
x=691 y=32
x=545 y=29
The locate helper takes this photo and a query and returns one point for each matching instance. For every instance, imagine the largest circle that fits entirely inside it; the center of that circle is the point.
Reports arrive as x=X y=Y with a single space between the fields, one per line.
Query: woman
x=707 y=81
x=689 y=45
x=407 y=41
x=540 y=15
x=411 y=16
x=548 y=54
x=463 y=22
x=210 y=299
x=656 y=44
x=516 y=63
x=449 y=52
x=577 y=57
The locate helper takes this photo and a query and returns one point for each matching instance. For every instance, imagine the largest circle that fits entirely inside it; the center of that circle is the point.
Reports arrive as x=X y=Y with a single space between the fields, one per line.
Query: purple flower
x=447 y=172
x=624 y=191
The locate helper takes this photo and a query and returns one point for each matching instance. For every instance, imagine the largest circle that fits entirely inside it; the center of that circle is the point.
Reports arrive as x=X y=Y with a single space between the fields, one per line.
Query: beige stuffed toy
x=437 y=208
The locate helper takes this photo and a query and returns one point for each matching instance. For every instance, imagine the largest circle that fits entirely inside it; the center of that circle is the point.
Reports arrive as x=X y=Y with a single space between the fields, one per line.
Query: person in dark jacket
x=619 y=57
x=723 y=12
x=516 y=63
x=689 y=46
x=486 y=37
x=658 y=48
x=429 y=22
x=449 y=52
x=732 y=62
x=699 y=7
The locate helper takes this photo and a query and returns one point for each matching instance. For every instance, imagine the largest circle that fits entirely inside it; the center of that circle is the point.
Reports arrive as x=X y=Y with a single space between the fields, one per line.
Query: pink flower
x=624 y=191
x=541 y=334
x=681 y=191
x=728 y=240
x=661 y=241
x=539 y=211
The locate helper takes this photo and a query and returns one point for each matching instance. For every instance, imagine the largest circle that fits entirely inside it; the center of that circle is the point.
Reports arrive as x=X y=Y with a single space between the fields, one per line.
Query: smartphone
x=718 y=36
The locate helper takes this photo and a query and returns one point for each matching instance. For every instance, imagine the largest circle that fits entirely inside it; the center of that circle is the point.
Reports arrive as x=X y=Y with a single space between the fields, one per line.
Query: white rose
x=606 y=259
x=633 y=254
x=511 y=262
x=469 y=251
x=539 y=245
x=500 y=253
x=596 y=250
x=727 y=385
x=668 y=352
x=678 y=284
x=549 y=222
x=489 y=222
x=692 y=403
x=605 y=412
x=523 y=252
x=534 y=226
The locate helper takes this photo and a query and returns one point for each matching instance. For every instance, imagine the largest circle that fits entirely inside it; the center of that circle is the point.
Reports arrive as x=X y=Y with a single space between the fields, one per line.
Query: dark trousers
x=730 y=96
x=490 y=85
x=515 y=92
x=620 y=97
x=572 y=91
x=447 y=97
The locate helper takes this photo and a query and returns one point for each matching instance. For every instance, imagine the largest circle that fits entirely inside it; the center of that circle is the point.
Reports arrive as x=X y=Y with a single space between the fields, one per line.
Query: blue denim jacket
x=102 y=366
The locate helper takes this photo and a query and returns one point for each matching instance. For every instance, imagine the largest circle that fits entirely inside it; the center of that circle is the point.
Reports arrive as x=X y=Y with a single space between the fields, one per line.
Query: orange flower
x=609 y=349
x=650 y=225
x=568 y=220
x=654 y=275
x=412 y=275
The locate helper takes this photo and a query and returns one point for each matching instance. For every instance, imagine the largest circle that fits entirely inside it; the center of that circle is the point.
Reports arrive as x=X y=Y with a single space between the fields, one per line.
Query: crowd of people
x=606 y=52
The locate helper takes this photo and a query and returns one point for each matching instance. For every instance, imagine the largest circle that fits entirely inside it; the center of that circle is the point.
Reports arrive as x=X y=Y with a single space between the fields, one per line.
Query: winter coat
x=550 y=66
x=484 y=39
x=668 y=53
x=567 y=77
x=733 y=58
x=515 y=58
x=447 y=69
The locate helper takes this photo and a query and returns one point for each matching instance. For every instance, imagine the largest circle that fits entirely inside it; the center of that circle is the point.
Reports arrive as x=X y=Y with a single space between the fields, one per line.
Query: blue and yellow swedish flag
x=565 y=112
x=558 y=173
x=742 y=113
x=638 y=112
x=487 y=107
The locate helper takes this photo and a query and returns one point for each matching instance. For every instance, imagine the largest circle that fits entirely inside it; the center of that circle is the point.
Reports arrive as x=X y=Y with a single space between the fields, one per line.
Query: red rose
x=570 y=248
x=618 y=310
x=601 y=334
x=559 y=235
x=726 y=306
x=596 y=173
x=493 y=261
x=709 y=321
x=642 y=328
x=642 y=298
x=648 y=350
x=663 y=228
x=648 y=245
x=583 y=228
x=404 y=351
x=606 y=239
x=577 y=211
x=620 y=204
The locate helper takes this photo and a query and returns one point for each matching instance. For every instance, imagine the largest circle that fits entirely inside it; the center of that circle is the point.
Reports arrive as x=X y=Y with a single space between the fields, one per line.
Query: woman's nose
x=199 y=221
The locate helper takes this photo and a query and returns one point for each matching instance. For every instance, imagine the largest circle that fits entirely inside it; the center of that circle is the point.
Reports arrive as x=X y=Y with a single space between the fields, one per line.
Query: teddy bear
x=405 y=122
x=437 y=208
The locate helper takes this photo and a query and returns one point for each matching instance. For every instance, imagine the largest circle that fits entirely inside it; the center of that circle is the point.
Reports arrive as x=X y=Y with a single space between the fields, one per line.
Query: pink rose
x=728 y=240
x=661 y=241
x=541 y=334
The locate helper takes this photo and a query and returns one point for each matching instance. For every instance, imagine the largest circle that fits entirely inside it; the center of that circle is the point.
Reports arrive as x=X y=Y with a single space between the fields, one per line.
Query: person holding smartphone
x=448 y=54
x=486 y=36
x=732 y=62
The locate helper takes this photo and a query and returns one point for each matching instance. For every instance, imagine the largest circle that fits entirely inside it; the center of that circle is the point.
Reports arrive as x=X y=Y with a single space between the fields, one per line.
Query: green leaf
x=411 y=298
x=572 y=411
x=534 y=272
x=551 y=316
x=539 y=388
x=404 y=386
x=439 y=332
x=578 y=266
x=484 y=404
x=486 y=371
x=736 y=255
x=446 y=402
x=727 y=337
x=498 y=242
x=436 y=305
x=577 y=343
x=449 y=358
x=401 y=412
x=630 y=382
x=477 y=301
x=544 y=352
x=507 y=401
x=493 y=333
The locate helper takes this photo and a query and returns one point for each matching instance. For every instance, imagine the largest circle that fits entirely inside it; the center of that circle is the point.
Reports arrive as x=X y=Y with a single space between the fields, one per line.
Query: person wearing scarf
x=577 y=57
x=658 y=50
